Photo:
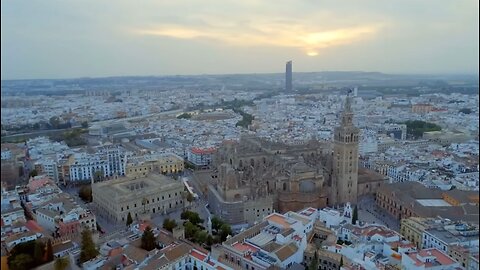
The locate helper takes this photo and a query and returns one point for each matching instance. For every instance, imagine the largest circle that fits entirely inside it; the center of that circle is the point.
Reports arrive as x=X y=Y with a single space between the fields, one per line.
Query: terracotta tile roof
x=286 y=251
x=440 y=257
x=156 y=262
x=198 y=255
x=135 y=253
x=17 y=236
x=62 y=246
x=172 y=253
x=115 y=251
x=33 y=226
x=197 y=150
x=165 y=238
x=278 y=219
x=34 y=184
x=242 y=247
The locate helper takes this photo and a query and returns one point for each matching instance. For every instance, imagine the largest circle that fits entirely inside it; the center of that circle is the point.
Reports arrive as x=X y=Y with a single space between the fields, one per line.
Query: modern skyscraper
x=345 y=158
x=288 y=77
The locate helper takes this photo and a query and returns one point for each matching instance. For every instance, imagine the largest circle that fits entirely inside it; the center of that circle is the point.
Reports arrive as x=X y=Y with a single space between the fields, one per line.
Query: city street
x=369 y=212
x=198 y=205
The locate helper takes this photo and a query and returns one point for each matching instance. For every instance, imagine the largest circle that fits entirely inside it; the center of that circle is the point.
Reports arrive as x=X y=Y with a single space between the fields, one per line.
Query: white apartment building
x=455 y=234
x=108 y=160
x=428 y=259
x=279 y=240
x=49 y=167
x=200 y=156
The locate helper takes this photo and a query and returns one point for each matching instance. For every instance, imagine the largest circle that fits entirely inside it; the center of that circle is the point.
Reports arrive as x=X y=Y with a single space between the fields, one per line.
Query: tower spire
x=347 y=114
x=348 y=103
x=345 y=158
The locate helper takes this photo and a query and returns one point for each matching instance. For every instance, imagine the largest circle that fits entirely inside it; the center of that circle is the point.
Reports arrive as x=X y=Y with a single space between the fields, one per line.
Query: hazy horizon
x=251 y=73
x=78 y=39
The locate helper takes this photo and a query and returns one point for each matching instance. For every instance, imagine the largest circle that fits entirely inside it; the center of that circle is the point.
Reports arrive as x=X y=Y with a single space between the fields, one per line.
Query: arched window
x=252 y=162
x=284 y=186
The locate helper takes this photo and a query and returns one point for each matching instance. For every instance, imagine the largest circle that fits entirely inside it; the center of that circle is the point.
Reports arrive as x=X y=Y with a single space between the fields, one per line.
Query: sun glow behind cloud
x=227 y=36
x=267 y=34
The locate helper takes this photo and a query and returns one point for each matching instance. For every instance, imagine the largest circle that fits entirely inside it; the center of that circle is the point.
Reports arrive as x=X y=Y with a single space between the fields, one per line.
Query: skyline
x=57 y=40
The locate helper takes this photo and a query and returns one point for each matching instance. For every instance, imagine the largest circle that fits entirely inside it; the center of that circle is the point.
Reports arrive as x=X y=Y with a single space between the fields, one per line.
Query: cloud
x=227 y=36
x=280 y=34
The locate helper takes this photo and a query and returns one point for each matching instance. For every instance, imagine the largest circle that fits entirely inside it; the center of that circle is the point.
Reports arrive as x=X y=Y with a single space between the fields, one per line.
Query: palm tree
x=61 y=263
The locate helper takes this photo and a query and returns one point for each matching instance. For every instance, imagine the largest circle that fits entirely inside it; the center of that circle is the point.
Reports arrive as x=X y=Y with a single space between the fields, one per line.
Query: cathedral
x=255 y=177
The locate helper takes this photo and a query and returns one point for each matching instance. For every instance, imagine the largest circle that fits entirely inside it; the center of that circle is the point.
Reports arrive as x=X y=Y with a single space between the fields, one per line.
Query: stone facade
x=345 y=159
x=258 y=175
x=162 y=163
x=154 y=193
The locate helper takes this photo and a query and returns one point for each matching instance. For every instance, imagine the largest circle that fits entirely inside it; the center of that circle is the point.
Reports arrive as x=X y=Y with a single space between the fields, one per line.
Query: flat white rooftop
x=433 y=202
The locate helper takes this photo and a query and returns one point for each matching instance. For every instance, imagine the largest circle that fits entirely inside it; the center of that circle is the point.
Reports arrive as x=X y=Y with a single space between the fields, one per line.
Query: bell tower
x=345 y=158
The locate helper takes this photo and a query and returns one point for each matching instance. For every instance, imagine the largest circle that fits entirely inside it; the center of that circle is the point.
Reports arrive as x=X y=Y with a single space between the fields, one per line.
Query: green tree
x=98 y=176
x=355 y=215
x=465 y=111
x=54 y=121
x=184 y=116
x=61 y=263
x=88 y=250
x=169 y=224
x=33 y=173
x=49 y=251
x=200 y=236
x=85 y=193
x=39 y=252
x=190 y=197
x=129 y=219
x=148 y=239
x=25 y=247
x=216 y=223
x=225 y=230
x=416 y=128
x=190 y=230
x=84 y=124
x=193 y=217
x=314 y=263
x=209 y=241
x=22 y=261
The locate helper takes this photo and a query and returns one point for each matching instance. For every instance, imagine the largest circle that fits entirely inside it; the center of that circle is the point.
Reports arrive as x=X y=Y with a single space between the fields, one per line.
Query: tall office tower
x=345 y=158
x=288 y=77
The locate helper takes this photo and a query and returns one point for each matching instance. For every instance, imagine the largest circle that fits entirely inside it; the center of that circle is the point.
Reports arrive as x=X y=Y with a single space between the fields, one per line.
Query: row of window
x=152 y=201
x=154 y=210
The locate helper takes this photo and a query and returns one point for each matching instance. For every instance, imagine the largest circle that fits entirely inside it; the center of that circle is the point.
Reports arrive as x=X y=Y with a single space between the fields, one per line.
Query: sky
x=49 y=39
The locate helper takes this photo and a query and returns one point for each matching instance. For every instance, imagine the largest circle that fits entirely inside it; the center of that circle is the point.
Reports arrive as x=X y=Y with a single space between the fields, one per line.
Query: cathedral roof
x=301 y=166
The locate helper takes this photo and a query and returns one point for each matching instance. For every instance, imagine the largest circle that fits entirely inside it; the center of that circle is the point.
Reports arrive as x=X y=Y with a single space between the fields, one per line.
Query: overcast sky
x=78 y=38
